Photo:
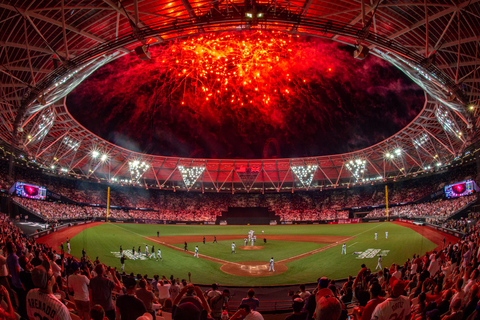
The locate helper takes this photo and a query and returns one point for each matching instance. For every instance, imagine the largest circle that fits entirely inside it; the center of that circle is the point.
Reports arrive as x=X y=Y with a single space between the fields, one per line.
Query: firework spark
x=198 y=93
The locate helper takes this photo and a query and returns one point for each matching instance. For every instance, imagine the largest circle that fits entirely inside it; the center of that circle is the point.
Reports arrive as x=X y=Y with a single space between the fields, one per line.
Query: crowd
x=195 y=204
x=440 y=209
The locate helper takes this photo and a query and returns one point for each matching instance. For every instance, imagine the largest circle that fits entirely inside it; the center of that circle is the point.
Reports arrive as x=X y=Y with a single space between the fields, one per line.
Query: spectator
x=101 y=290
x=41 y=301
x=298 y=312
x=251 y=300
x=244 y=312
x=79 y=283
x=146 y=295
x=128 y=305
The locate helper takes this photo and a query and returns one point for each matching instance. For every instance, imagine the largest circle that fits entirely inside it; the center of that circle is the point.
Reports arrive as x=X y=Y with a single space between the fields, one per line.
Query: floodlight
x=95 y=154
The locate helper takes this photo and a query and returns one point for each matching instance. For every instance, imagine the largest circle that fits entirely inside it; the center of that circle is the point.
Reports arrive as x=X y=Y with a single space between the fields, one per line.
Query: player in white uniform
x=375 y=236
x=386 y=234
x=159 y=254
x=344 y=248
x=146 y=250
x=271 y=268
x=379 y=264
x=196 y=252
x=245 y=241
x=68 y=247
x=233 y=247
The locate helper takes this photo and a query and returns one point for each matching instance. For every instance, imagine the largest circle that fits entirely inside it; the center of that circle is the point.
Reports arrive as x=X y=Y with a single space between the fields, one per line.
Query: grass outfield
x=104 y=241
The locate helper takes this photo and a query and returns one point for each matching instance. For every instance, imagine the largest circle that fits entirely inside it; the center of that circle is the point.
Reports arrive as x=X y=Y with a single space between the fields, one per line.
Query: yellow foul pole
x=108 y=201
x=386 y=199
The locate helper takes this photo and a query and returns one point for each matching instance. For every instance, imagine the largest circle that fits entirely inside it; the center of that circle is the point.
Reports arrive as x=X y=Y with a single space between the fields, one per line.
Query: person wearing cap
x=272 y=262
x=78 y=283
x=328 y=308
x=298 y=312
x=128 y=305
x=396 y=307
x=246 y=313
x=320 y=291
x=41 y=303
x=146 y=295
x=251 y=300
x=101 y=289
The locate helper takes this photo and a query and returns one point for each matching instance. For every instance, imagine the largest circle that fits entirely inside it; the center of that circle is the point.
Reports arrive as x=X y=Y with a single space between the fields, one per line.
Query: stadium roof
x=49 y=47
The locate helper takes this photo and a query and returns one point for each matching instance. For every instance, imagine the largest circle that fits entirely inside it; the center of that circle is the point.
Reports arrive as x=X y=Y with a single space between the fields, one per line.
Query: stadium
x=253 y=144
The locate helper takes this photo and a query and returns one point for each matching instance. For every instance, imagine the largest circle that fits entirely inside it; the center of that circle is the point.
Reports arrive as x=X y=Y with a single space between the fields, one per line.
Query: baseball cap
x=75 y=266
x=397 y=288
x=186 y=311
x=40 y=275
x=129 y=282
x=323 y=282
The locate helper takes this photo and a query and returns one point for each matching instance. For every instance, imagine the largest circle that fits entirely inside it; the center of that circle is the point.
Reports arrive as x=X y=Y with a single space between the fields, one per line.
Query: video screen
x=460 y=189
x=30 y=191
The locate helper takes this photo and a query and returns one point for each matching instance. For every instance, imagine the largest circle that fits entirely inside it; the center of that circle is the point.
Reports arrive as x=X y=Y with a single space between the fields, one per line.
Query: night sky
x=224 y=96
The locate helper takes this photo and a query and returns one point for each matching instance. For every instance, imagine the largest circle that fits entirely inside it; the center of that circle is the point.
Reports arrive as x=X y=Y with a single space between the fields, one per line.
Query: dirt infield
x=250 y=268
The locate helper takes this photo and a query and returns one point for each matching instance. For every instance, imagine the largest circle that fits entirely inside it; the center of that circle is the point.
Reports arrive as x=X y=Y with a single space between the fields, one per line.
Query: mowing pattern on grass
x=283 y=243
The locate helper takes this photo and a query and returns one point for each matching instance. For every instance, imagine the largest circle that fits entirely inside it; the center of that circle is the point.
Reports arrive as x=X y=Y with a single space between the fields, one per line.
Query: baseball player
x=159 y=254
x=233 y=247
x=153 y=253
x=344 y=249
x=146 y=250
x=386 y=234
x=271 y=268
x=68 y=247
x=379 y=264
x=121 y=251
x=196 y=252
x=375 y=236
x=133 y=253
x=122 y=261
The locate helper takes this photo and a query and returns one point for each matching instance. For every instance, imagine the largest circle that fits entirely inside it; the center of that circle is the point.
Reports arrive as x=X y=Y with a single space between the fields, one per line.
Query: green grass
x=105 y=240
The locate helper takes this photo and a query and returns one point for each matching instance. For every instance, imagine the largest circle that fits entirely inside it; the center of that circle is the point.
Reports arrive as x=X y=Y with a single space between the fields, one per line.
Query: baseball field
x=302 y=253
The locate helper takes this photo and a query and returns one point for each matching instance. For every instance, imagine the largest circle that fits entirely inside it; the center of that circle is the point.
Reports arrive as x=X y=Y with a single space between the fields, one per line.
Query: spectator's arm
x=205 y=305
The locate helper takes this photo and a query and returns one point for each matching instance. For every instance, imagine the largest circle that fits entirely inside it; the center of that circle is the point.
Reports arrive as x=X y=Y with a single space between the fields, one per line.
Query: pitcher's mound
x=252 y=268
x=251 y=247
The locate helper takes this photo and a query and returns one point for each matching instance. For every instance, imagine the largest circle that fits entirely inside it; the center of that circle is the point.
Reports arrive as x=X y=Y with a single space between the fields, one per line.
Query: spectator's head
x=302 y=287
x=328 y=308
x=398 y=288
x=245 y=307
x=375 y=289
x=129 y=283
x=100 y=269
x=298 y=304
x=97 y=312
x=167 y=304
x=142 y=283
x=251 y=293
x=323 y=282
x=42 y=276
x=186 y=311
x=214 y=286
